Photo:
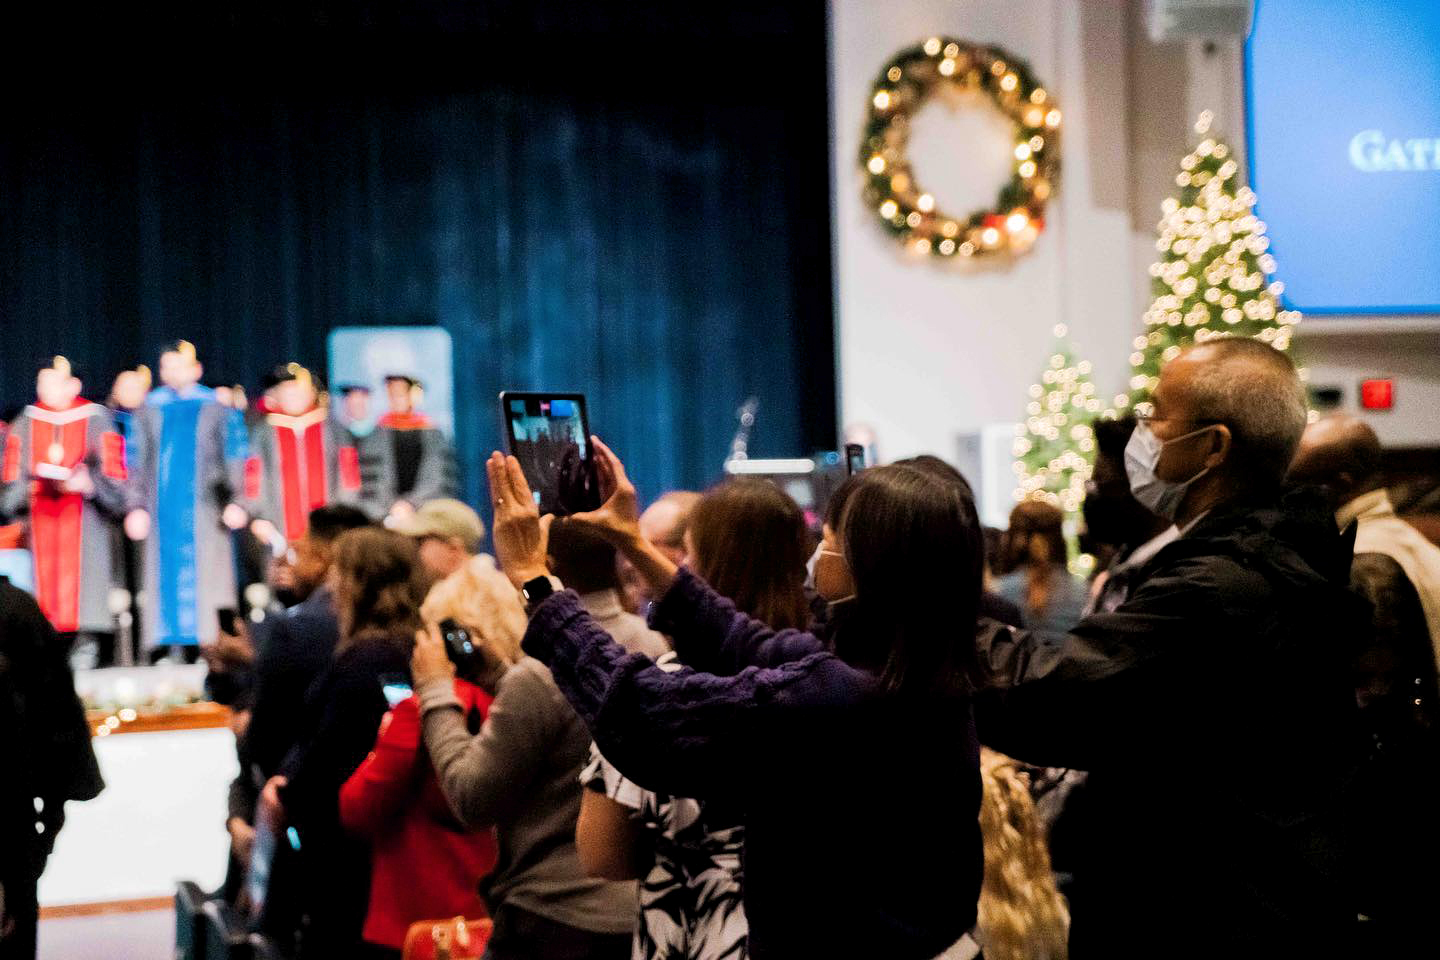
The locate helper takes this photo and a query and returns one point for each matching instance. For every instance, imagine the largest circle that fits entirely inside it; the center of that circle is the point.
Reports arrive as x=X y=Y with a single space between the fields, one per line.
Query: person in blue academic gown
x=189 y=452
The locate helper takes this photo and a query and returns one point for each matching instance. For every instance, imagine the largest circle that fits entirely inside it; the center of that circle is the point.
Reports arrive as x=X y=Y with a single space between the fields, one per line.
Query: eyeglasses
x=1149 y=418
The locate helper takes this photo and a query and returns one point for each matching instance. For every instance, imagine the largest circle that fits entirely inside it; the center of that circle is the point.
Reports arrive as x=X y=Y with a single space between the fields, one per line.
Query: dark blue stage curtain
x=666 y=253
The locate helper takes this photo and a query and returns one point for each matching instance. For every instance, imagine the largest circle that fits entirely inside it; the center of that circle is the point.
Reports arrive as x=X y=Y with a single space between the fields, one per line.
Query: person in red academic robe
x=64 y=470
x=299 y=459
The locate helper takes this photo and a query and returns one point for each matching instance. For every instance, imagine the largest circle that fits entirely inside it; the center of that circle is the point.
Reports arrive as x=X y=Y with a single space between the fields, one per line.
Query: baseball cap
x=445 y=518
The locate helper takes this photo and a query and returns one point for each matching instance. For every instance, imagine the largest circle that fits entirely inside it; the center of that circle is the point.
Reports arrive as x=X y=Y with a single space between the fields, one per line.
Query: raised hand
x=429 y=661
x=618 y=517
x=522 y=536
x=618 y=520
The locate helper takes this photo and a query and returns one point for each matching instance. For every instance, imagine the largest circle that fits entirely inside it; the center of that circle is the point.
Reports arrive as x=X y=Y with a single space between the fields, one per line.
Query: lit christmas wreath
x=945 y=66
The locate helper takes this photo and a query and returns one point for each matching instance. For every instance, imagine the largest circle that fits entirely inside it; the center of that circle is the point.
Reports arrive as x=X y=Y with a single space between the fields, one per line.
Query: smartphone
x=396 y=688
x=460 y=648
x=227 y=617
x=549 y=433
x=854 y=458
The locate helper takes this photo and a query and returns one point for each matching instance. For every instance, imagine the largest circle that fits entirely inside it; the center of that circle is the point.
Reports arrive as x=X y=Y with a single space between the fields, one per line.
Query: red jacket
x=424 y=865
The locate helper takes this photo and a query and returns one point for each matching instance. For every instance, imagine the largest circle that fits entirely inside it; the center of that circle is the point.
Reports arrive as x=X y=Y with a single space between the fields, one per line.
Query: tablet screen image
x=549 y=434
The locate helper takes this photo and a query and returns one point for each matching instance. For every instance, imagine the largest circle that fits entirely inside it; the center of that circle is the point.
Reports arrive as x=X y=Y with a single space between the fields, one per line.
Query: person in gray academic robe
x=406 y=461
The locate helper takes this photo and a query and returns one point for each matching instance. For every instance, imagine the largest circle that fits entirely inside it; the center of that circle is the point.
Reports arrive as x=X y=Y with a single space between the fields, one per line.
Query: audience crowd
x=703 y=731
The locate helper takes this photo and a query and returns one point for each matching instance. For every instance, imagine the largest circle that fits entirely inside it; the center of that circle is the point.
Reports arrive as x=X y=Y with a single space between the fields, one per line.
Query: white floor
x=161 y=819
x=118 y=936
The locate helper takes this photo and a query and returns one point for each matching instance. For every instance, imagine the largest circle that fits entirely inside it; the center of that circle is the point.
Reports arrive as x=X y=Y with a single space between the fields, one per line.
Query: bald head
x=1341 y=452
x=663 y=522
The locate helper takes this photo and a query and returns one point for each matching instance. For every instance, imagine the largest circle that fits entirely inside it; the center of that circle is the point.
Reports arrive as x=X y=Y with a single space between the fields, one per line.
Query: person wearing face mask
x=807 y=738
x=992 y=605
x=1220 y=684
x=1119 y=531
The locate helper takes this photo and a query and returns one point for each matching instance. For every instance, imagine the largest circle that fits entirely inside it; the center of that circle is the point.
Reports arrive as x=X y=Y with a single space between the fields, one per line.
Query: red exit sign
x=1377 y=393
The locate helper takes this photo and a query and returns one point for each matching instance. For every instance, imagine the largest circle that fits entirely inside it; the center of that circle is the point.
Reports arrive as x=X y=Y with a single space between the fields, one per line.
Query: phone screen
x=396 y=689
x=854 y=458
x=550 y=435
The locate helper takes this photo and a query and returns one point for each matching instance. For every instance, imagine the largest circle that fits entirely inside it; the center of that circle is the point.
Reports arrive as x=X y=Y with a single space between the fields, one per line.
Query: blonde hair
x=479 y=596
x=1022 y=915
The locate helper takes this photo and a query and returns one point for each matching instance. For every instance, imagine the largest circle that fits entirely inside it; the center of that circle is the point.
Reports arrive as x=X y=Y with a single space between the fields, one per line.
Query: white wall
x=930 y=350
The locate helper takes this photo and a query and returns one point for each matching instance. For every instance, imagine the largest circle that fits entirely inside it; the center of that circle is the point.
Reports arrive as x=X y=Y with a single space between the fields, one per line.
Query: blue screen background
x=1318 y=73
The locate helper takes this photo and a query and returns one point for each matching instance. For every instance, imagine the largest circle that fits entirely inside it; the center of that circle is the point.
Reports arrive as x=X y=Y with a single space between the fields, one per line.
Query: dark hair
x=749 y=544
x=1112 y=436
x=582 y=559
x=381 y=585
x=940 y=470
x=946 y=473
x=835 y=506
x=1035 y=541
x=915 y=551
x=329 y=522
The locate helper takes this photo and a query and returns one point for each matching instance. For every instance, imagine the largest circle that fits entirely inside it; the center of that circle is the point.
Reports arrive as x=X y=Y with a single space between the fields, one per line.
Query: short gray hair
x=1254 y=390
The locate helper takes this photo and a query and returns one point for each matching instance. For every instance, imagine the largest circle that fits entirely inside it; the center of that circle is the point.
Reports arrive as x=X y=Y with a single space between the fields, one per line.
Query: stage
x=167 y=763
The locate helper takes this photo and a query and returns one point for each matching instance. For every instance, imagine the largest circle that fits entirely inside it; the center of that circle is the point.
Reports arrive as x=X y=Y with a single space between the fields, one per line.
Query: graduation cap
x=286 y=372
x=141 y=371
x=60 y=365
x=185 y=348
x=406 y=379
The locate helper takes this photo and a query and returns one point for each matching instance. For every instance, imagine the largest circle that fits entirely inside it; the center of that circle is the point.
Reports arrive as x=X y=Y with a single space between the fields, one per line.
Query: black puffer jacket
x=1216 y=715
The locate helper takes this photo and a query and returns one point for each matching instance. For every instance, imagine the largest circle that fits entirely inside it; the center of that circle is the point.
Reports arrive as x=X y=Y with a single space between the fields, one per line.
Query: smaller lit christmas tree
x=1212 y=278
x=1054 y=446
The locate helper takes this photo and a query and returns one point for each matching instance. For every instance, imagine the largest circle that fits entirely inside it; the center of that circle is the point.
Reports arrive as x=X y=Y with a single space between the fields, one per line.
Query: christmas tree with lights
x=1213 y=278
x=1054 y=446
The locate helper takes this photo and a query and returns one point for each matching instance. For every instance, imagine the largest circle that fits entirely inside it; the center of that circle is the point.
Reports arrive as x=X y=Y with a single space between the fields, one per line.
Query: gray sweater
x=521 y=774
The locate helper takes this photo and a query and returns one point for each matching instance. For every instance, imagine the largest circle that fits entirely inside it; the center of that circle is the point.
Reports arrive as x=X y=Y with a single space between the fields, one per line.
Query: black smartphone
x=549 y=433
x=460 y=648
x=227 y=617
x=854 y=458
x=396 y=687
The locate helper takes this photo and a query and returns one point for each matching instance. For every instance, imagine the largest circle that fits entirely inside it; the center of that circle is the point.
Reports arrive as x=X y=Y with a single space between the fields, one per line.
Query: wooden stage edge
x=142 y=905
x=194 y=716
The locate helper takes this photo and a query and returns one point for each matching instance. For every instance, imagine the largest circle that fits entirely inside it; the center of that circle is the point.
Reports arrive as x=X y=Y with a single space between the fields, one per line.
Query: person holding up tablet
x=808 y=739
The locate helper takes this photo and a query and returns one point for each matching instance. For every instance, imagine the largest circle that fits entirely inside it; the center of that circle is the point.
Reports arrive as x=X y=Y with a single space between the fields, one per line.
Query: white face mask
x=810 y=566
x=1142 y=456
